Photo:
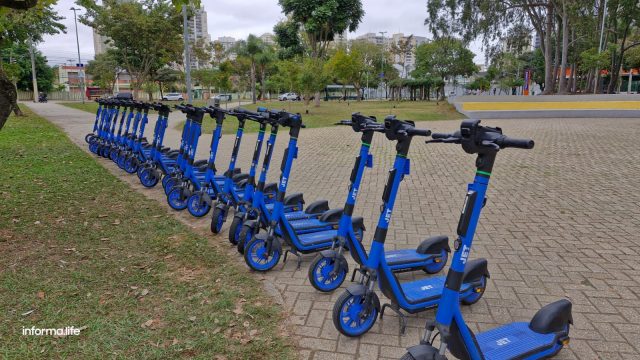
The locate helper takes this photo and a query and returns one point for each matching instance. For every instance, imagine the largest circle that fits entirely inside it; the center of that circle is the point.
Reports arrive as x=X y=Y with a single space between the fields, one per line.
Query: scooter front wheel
x=246 y=234
x=169 y=184
x=148 y=178
x=197 y=206
x=352 y=316
x=258 y=257
x=235 y=230
x=217 y=220
x=322 y=276
x=130 y=164
x=176 y=199
x=476 y=292
x=438 y=263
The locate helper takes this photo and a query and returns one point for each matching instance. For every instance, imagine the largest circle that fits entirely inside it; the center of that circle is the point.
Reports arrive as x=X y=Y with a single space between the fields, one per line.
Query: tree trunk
x=556 y=58
x=317 y=99
x=253 y=82
x=8 y=99
x=263 y=84
x=565 y=49
x=548 y=60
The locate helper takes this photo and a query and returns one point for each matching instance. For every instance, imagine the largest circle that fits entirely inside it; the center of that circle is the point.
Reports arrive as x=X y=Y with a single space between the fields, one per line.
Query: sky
x=239 y=18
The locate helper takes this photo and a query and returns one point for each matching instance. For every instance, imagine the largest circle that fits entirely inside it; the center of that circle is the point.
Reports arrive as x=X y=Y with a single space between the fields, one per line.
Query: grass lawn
x=79 y=248
x=329 y=112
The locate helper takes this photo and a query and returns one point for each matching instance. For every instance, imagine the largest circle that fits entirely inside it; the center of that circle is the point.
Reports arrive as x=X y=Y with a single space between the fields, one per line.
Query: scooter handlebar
x=507 y=142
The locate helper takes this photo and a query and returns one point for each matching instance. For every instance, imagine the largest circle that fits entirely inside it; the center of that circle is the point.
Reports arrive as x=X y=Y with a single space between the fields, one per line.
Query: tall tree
x=321 y=21
x=251 y=49
x=401 y=50
x=22 y=21
x=265 y=65
x=145 y=35
x=444 y=57
x=104 y=70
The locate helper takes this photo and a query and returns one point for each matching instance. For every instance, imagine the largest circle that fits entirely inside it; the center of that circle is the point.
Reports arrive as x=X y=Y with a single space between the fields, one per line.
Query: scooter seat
x=317 y=238
x=426 y=289
x=512 y=340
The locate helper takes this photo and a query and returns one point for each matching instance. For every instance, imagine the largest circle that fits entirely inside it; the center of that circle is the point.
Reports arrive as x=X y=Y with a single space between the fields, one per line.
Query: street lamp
x=75 y=20
x=384 y=57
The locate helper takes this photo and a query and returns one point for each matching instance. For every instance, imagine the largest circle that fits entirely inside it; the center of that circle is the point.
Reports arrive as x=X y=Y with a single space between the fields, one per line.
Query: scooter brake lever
x=490 y=144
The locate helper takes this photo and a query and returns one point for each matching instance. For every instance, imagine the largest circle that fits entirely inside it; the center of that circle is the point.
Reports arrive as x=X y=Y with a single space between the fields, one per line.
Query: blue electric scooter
x=257 y=213
x=547 y=332
x=357 y=309
x=263 y=252
x=329 y=269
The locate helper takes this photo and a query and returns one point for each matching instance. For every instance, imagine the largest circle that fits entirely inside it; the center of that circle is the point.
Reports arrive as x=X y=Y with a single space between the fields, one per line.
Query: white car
x=173 y=97
x=289 y=96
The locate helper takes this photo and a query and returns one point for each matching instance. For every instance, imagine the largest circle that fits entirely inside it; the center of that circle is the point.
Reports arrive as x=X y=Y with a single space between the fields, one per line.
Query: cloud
x=239 y=18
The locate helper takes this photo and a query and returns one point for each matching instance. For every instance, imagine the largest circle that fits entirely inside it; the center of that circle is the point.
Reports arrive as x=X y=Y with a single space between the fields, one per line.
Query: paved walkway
x=562 y=221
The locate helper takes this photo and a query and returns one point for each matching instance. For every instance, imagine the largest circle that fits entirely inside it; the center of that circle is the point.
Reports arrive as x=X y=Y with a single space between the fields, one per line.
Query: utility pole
x=80 y=71
x=187 y=56
x=34 y=79
x=384 y=60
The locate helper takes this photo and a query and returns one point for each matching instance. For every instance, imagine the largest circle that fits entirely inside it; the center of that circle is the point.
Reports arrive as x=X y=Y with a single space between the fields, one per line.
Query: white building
x=268 y=39
x=199 y=33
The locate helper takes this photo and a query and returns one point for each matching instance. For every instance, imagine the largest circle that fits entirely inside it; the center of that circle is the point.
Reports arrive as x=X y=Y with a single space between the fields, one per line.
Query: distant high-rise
x=100 y=44
x=199 y=34
x=268 y=39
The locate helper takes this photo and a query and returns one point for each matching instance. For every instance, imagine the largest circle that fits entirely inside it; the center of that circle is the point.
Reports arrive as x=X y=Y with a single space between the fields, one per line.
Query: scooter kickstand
x=402 y=319
x=298 y=259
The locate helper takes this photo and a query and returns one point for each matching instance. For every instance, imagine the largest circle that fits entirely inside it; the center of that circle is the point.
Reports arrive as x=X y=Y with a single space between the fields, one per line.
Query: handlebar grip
x=517 y=143
x=419 y=132
x=441 y=135
x=344 y=122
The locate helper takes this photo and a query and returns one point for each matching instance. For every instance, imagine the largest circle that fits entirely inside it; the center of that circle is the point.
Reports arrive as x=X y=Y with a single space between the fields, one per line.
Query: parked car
x=223 y=97
x=172 y=97
x=289 y=96
x=124 y=96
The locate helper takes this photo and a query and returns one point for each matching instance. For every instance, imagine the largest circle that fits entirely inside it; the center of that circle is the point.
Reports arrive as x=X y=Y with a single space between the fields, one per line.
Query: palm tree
x=264 y=60
x=250 y=49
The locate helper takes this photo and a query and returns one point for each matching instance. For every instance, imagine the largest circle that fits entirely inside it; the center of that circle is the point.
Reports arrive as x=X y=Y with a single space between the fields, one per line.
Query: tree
x=22 y=21
x=104 y=70
x=205 y=77
x=347 y=68
x=145 y=36
x=444 y=57
x=201 y=51
x=250 y=49
x=167 y=77
x=480 y=83
x=265 y=64
x=320 y=21
x=401 y=49
x=311 y=79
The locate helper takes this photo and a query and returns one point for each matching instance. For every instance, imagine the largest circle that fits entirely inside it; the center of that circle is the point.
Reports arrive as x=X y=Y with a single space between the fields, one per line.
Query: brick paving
x=562 y=220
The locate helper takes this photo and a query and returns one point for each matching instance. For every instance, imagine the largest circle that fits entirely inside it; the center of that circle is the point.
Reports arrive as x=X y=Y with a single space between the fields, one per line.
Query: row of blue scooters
x=268 y=224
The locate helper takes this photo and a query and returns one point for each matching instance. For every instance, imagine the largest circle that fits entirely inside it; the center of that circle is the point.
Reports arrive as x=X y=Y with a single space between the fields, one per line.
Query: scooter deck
x=427 y=289
x=515 y=340
x=317 y=238
x=403 y=257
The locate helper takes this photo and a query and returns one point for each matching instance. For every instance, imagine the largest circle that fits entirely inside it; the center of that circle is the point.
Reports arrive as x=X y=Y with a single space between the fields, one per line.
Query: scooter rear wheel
x=436 y=267
x=257 y=257
x=130 y=164
x=350 y=316
x=477 y=293
x=320 y=275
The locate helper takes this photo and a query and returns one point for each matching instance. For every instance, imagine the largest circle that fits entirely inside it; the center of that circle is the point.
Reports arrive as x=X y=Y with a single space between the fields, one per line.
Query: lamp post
x=384 y=58
x=187 y=55
x=80 y=72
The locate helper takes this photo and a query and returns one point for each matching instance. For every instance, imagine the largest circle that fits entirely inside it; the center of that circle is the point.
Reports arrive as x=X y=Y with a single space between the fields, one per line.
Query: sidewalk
x=557 y=225
x=553 y=106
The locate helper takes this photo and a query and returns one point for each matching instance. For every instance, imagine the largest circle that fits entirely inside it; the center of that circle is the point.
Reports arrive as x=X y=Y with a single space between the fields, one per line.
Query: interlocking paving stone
x=561 y=221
